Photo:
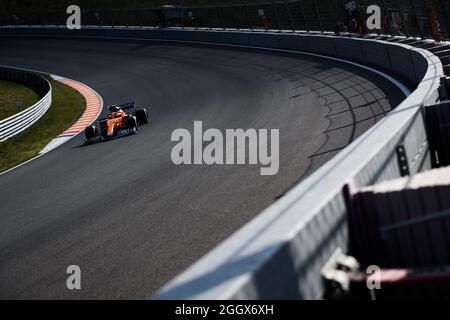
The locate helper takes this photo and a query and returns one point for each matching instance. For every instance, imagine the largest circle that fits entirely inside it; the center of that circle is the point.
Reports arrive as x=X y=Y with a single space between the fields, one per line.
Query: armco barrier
x=20 y=121
x=280 y=253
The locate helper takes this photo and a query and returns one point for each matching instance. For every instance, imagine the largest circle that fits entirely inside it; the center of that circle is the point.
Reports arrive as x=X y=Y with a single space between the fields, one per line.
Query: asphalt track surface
x=121 y=210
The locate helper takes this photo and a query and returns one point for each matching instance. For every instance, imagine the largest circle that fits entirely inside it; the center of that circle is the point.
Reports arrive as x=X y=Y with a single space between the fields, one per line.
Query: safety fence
x=20 y=121
x=418 y=18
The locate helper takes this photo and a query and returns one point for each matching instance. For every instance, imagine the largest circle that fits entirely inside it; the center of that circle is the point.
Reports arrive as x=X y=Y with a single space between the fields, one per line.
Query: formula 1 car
x=117 y=123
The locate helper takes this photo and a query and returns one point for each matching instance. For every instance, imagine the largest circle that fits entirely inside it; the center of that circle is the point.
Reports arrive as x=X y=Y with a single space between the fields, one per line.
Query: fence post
x=401 y=16
x=141 y=18
x=192 y=19
x=302 y=10
x=210 y=21
x=446 y=19
x=427 y=20
x=183 y=12
x=289 y=15
x=219 y=19
x=419 y=30
x=248 y=17
x=332 y=16
x=318 y=15
x=235 y=23
x=277 y=19
x=386 y=18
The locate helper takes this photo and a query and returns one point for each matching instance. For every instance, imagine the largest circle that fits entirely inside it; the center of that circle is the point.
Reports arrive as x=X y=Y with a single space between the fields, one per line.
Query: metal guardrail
x=20 y=121
x=280 y=253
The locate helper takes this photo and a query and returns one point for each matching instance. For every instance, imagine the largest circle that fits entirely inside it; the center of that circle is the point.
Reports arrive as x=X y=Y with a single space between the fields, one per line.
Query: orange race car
x=117 y=123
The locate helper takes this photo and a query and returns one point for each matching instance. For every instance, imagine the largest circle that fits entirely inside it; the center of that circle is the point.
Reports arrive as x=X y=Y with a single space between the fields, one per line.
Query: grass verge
x=10 y=92
x=67 y=106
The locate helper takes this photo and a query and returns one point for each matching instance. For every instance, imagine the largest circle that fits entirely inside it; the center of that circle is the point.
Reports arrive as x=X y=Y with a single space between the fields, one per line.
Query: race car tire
x=89 y=132
x=141 y=116
x=131 y=122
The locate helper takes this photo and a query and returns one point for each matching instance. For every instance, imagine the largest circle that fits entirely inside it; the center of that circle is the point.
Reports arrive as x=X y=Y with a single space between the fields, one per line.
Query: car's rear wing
x=128 y=105
x=123 y=106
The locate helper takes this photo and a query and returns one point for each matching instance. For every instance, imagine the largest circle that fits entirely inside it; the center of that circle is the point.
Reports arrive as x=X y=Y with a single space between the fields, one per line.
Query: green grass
x=10 y=92
x=67 y=106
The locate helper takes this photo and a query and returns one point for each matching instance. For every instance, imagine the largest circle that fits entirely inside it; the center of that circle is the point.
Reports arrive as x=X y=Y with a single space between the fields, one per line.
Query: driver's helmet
x=114 y=108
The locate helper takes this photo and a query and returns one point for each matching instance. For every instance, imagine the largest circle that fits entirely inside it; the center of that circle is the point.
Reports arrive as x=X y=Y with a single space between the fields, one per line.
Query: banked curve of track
x=121 y=210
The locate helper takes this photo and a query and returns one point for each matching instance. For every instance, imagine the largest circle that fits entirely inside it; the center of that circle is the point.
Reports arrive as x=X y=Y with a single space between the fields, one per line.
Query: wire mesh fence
x=420 y=18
